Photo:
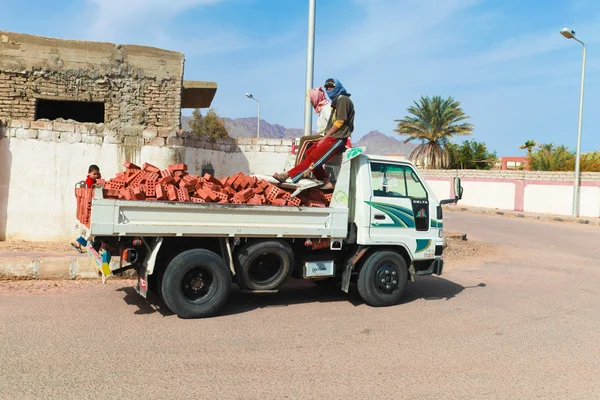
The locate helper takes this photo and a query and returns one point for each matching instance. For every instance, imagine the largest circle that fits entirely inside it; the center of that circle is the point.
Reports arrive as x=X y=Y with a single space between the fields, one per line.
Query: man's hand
x=333 y=130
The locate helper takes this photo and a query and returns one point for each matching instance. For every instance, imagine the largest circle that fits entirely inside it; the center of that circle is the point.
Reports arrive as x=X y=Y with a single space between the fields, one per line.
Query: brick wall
x=511 y=175
x=135 y=135
x=138 y=85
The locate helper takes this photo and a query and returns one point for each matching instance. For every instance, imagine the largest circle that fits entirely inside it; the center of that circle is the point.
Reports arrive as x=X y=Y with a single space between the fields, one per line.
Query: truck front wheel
x=382 y=279
x=196 y=284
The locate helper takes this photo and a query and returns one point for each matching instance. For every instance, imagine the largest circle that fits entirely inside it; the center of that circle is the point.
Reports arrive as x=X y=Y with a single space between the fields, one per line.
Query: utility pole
x=310 y=66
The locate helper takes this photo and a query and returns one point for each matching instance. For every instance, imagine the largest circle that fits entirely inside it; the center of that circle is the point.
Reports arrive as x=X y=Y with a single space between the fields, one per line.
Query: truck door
x=400 y=211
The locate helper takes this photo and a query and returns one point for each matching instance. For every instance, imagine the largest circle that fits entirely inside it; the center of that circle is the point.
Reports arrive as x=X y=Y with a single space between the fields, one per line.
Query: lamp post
x=569 y=34
x=248 y=95
x=310 y=66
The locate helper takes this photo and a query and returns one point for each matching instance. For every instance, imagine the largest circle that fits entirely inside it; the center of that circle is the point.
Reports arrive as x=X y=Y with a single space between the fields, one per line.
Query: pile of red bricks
x=175 y=184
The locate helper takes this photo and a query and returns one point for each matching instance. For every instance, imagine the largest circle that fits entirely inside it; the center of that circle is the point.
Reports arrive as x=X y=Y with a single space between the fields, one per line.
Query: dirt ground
x=37 y=247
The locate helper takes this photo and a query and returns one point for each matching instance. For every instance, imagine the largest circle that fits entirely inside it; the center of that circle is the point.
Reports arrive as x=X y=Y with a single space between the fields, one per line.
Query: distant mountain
x=374 y=141
x=246 y=128
x=378 y=143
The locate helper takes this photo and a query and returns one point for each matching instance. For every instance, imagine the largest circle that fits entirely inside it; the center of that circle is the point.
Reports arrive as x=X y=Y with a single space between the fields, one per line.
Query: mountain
x=378 y=143
x=374 y=141
x=246 y=128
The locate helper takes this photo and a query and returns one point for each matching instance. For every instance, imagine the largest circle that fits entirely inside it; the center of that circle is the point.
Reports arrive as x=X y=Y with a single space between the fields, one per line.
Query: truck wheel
x=196 y=284
x=382 y=279
x=263 y=265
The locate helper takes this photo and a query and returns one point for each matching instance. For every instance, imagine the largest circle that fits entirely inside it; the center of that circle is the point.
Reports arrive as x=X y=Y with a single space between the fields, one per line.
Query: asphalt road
x=523 y=323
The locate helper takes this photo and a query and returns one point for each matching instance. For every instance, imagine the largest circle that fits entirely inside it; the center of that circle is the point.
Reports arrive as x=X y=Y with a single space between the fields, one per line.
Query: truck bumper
x=434 y=267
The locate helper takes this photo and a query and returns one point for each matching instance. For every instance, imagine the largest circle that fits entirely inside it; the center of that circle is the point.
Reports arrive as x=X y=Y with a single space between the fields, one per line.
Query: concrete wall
x=138 y=85
x=531 y=191
x=39 y=167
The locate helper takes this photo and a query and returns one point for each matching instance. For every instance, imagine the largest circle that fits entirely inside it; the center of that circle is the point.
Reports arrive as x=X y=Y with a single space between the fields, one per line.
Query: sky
x=503 y=60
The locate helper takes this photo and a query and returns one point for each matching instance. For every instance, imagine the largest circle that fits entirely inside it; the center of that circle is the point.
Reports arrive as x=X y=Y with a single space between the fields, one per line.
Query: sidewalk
x=526 y=215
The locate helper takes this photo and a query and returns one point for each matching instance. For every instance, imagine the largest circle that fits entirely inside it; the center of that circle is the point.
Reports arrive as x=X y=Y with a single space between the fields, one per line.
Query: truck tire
x=263 y=265
x=196 y=284
x=382 y=279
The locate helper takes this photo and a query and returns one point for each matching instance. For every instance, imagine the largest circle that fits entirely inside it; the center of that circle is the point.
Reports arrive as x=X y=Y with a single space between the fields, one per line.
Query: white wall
x=39 y=203
x=558 y=199
x=441 y=189
x=499 y=195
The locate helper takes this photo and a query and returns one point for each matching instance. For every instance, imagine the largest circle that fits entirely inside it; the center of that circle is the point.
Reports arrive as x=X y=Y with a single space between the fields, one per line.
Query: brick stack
x=149 y=183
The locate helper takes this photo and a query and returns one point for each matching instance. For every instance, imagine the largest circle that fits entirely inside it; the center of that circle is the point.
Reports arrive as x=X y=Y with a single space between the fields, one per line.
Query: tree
x=529 y=145
x=549 y=157
x=471 y=155
x=210 y=125
x=433 y=122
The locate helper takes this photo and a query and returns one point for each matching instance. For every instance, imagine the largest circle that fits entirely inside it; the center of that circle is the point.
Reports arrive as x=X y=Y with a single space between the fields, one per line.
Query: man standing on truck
x=339 y=129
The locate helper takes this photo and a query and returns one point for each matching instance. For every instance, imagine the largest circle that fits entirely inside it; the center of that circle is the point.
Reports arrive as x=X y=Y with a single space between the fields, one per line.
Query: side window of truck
x=393 y=180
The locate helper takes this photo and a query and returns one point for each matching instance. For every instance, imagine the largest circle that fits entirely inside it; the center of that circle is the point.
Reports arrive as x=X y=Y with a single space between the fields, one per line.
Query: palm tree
x=552 y=158
x=433 y=121
x=529 y=145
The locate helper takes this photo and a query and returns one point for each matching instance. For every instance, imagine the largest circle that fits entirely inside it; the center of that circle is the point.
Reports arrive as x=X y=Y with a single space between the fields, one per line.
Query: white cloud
x=112 y=19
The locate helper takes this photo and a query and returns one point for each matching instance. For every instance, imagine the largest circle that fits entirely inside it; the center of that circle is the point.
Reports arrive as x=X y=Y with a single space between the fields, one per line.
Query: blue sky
x=505 y=61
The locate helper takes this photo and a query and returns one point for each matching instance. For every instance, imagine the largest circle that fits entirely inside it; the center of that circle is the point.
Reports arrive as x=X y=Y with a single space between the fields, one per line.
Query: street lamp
x=569 y=34
x=310 y=66
x=248 y=95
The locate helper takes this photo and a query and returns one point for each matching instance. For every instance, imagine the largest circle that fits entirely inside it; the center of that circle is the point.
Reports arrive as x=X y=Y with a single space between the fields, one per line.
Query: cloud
x=112 y=19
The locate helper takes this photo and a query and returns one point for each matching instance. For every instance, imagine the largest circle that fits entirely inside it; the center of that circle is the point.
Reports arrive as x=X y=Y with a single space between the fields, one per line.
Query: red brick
x=278 y=202
x=138 y=193
x=235 y=200
x=223 y=201
x=263 y=184
x=222 y=196
x=286 y=196
x=110 y=193
x=165 y=180
x=258 y=190
x=207 y=195
x=171 y=193
x=255 y=200
x=197 y=200
x=182 y=195
x=294 y=201
x=130 y=166
x=244 y=195
x=328 y=197
x=133 y=176
x=150 y=168
x=315 y=203
x=272 y=193
x=223 y=181
x=152 y=177
x=253 y=181
x=150 y=189
x=166 y=172
x=139 y=179
x=160 y=192
x=211 y=179
x=178 y=167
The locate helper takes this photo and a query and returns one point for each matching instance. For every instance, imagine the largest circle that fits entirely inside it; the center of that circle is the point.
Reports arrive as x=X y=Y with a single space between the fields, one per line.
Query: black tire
x=263 y=265
x=383 y=265
x=196 y=284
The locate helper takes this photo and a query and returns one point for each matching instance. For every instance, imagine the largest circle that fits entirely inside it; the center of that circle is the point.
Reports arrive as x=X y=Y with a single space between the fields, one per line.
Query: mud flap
x=142 y=287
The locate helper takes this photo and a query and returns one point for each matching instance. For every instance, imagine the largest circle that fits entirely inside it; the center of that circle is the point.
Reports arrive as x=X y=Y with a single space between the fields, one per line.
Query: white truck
x=382 y=227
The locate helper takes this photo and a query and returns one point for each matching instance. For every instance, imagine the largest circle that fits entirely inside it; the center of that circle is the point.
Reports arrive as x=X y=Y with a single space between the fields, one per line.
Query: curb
x=531 y=216
x=23 y=266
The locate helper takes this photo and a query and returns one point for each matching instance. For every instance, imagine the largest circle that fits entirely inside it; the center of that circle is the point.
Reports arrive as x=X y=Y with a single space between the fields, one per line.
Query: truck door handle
x=379 y=216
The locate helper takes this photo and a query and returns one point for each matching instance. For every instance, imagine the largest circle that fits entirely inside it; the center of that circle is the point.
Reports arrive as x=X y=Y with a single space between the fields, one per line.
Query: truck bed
x=111 y=217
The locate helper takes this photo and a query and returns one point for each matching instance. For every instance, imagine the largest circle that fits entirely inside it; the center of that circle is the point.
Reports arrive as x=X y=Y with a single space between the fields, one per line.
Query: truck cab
x=382 y=227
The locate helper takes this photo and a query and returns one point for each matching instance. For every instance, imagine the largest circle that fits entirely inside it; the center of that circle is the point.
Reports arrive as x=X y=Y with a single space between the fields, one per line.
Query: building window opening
x=80 y=111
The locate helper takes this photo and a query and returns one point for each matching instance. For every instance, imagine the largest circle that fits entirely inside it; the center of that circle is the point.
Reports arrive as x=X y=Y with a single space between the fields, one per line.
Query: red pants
x=317 y=154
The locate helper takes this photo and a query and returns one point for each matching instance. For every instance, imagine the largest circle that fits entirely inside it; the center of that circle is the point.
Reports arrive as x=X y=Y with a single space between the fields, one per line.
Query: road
x=522 y=323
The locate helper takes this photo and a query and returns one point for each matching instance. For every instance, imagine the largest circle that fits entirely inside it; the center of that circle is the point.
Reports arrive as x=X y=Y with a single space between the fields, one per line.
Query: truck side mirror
x=458 y=189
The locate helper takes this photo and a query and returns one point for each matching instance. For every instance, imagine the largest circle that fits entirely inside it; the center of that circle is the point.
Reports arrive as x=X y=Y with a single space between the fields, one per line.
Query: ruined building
x=93 y=82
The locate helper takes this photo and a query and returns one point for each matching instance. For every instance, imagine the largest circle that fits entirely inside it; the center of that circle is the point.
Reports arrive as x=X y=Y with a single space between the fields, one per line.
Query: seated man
x=339 y=129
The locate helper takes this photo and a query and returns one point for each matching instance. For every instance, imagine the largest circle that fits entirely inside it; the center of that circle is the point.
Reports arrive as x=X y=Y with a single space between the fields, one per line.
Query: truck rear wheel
x=263 y=265
x=196 y=284
x=382 y=279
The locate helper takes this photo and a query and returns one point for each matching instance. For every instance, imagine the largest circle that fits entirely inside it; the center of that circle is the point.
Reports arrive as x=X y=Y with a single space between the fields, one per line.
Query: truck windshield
x=394 y=180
